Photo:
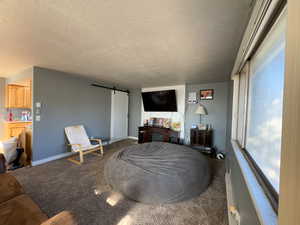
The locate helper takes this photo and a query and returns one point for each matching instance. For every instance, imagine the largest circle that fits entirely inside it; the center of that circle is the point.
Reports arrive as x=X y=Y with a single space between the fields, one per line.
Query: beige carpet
x=61 y=185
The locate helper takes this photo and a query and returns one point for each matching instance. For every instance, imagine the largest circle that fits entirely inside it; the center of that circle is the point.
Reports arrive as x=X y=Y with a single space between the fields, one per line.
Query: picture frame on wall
x=207 y=94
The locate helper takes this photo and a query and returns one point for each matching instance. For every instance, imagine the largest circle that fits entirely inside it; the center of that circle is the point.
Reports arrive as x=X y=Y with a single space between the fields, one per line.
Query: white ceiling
x=136 y=43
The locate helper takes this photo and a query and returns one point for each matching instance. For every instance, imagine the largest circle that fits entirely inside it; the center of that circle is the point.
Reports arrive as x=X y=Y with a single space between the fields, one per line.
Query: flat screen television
x=160 y=101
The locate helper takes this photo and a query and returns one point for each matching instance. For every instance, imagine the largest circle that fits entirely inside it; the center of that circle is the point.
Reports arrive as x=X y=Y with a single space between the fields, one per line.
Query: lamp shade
x=201 y=110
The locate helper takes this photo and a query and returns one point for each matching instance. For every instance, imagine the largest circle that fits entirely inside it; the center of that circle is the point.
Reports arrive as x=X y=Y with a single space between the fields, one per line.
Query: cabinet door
x=16 y=131
x=11 y=93
x=20 y=100
x=30 y=95
x=27 y=97
x=15 y=96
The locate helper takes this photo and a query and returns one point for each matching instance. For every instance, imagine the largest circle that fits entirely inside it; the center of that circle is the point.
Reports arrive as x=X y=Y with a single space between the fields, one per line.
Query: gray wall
x=216 y=109
x=135 y=109
x=66 y=100
x=2 y=109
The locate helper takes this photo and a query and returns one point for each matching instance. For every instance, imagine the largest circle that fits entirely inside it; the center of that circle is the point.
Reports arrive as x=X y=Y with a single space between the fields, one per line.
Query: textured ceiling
x=136 y=43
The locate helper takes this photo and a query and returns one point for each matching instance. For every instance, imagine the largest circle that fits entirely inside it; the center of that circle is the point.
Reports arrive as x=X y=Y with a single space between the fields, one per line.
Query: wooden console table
x=168 y=135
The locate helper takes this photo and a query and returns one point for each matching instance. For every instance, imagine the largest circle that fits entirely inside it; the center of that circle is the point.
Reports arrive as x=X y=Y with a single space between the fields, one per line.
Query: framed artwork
x=192 y=99
x=207 y=94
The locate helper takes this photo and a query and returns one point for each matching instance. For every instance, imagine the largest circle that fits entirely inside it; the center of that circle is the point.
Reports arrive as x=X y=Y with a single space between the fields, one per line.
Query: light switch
x=38 y=104
x=37 y=118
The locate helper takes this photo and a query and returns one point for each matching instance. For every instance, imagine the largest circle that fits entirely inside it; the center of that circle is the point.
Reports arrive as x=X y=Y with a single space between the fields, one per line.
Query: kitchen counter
x=17 y=121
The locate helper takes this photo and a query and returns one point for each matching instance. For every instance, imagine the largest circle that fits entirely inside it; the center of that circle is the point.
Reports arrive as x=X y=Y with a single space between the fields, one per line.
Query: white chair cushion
x=77 y=135
x=8 y=149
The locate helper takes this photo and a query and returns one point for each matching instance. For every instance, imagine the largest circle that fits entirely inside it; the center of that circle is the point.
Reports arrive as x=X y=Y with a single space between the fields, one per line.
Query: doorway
x=119 y=115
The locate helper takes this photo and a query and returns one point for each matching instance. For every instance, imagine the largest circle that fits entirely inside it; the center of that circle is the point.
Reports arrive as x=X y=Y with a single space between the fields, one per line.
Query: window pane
x=266 y=82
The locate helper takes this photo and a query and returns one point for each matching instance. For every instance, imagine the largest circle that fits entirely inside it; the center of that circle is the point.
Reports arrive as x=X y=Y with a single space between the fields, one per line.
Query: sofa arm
x=63 y=218
x=9 y=187
x=2 y=164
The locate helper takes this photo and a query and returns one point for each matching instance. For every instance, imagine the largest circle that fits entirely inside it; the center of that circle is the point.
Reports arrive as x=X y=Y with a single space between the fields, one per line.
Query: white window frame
x=242 y=122
x=266 y=214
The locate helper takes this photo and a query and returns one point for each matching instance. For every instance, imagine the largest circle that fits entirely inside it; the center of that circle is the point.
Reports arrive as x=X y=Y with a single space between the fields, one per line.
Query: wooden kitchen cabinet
x=11 y=93
x=18 y=96
x=14 y=129
x=28 y=96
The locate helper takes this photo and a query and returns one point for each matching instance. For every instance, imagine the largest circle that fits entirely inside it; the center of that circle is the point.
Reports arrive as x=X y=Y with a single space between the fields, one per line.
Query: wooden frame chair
x=80 y=142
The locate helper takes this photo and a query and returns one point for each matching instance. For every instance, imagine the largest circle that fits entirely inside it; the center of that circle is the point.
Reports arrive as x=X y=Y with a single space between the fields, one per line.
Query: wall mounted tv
x=160 y=101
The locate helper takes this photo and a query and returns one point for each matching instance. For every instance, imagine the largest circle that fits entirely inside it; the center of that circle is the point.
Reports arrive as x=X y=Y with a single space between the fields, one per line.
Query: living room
x=149 y=112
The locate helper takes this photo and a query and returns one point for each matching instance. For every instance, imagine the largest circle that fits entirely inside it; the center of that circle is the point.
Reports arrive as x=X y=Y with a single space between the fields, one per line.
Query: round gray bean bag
x=158 y=172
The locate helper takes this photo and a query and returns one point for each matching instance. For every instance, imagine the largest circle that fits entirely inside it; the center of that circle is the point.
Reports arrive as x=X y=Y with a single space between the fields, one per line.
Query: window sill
x=264 y=210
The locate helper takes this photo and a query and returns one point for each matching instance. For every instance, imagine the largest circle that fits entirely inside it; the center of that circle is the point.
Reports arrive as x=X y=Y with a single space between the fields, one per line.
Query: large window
x=266 y=82
x=260 y=104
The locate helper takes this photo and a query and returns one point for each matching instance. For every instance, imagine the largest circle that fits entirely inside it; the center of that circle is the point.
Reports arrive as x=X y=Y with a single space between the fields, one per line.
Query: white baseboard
x=133 y=138
x=51 y=158
x=59 y=156
x=66 y=154
x=117 y=139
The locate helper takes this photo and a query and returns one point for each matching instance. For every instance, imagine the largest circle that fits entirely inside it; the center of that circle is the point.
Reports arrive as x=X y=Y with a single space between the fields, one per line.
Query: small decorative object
x=176 y=126
x=207 y=94
x=10 y=116
x=209 y=127
x=192 y=99
x=151 y=121
x=202 y=126
x=166 y=123
x=146 y=123
x=160 y=122
x=155 y=122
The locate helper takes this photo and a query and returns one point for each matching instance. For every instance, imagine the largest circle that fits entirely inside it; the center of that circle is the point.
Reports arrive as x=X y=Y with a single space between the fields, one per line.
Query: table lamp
x=201 y=111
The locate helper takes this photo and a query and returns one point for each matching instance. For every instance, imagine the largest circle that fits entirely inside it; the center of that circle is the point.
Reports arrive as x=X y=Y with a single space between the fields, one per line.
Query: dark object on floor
x=211 y=152
x=220 y=156
x=158 y=172
x=18 y=208
x=16 y=163
x=208 y=151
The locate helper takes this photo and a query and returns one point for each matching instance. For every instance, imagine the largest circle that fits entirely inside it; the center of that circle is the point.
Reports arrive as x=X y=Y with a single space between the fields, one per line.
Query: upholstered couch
x=17 y=208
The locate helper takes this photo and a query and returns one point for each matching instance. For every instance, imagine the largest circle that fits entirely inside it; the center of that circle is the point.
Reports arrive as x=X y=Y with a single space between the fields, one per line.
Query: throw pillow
x=8 y=149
